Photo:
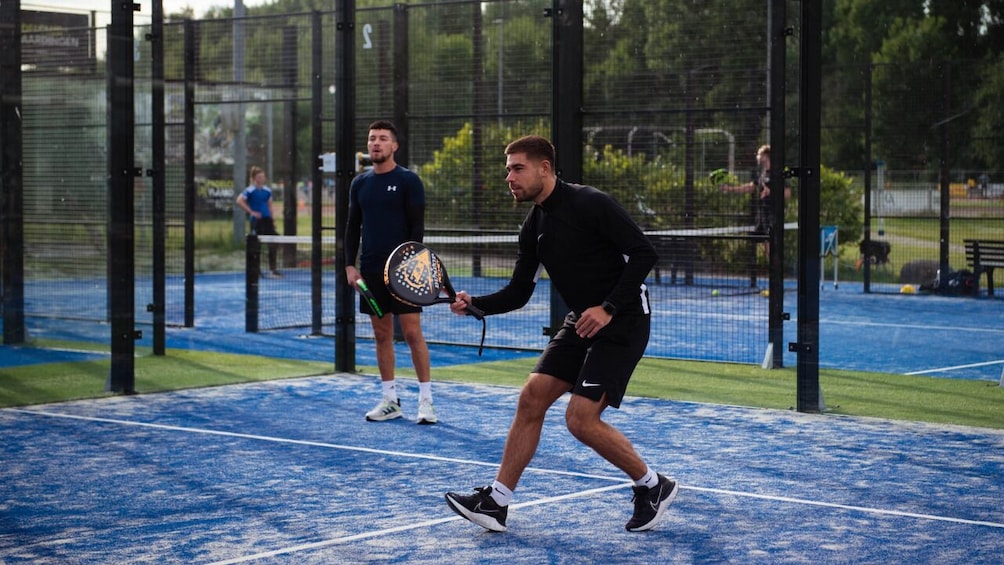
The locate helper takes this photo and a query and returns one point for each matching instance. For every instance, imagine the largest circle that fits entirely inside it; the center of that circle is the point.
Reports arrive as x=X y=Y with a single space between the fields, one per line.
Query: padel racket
x=364 y=291
x=718 y=176
x=415 y=275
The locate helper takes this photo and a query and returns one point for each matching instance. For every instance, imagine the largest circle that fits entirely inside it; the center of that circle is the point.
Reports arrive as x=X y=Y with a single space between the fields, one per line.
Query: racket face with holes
x=414 y=275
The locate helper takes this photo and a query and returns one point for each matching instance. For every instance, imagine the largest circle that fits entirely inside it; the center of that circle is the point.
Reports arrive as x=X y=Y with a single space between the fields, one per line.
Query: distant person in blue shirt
x=256 y=200
x=386 y=209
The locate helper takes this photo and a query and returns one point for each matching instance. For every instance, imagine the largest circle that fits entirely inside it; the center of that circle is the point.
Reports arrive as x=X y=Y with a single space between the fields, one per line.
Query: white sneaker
x=426 y=413
x=386 y=410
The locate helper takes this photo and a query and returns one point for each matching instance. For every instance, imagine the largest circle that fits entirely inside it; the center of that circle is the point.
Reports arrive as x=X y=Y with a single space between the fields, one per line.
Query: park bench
x=985 y=256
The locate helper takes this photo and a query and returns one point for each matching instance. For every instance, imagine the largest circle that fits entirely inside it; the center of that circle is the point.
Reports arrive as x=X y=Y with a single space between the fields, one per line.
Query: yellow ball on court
x=714 y=292
x=908 y=289
x=765 y=293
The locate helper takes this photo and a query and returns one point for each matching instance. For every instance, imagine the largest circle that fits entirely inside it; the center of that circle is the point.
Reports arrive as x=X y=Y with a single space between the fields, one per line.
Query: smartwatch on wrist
x=609 y=308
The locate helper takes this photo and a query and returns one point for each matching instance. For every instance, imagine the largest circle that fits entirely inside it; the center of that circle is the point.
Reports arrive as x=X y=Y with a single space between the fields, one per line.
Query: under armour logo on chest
x=391 y=188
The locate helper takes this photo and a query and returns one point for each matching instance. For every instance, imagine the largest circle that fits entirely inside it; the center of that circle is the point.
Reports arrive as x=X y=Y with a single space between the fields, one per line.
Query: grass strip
x=852 y=393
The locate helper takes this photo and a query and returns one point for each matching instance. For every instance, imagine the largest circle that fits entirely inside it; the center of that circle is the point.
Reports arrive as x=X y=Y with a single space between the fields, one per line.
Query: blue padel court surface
x=290 y=472
x=933 y=335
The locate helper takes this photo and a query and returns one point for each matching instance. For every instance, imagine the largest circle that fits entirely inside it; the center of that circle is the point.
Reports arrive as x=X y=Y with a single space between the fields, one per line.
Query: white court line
x=377 y=533
x=913 y=326
x=864 y=509
x=623 y=484
x=946 y=369
x=298 y=442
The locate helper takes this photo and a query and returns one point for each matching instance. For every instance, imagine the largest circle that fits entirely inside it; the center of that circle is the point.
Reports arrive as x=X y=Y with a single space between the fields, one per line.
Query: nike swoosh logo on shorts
x=586 y=384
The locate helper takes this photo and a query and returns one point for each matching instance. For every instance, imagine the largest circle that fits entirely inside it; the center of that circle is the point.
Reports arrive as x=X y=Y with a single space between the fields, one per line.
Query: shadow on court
x=289 y=472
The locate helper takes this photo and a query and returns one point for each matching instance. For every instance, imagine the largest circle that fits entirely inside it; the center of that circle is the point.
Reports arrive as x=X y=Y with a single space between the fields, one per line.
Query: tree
x=909 y=40
x=859 y=28
x=857 y=32
x=909 y=93
x=988 y=128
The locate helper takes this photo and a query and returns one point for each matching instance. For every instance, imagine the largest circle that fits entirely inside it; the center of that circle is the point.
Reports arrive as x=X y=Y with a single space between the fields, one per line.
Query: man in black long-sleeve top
x=386 y=208
x=597 y=259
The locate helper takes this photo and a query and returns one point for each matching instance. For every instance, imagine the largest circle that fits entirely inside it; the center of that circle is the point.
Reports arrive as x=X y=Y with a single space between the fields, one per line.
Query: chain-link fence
x=906 y=133
x=671 y=130
x=65 y=172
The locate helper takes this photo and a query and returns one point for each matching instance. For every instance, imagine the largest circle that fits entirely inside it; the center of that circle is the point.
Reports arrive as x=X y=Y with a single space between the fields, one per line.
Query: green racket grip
x=365 y=291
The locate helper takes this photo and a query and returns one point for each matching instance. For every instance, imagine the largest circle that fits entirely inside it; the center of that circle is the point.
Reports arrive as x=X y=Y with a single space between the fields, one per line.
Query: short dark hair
x=384 y=124
x=536 y=148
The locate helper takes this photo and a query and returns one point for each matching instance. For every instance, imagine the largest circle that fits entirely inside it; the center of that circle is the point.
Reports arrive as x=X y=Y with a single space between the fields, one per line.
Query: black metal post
x=401 y=84
x=477 y=131
x=566 y=109
x=252 y=274
x=869 y=166
x=290 y=195
x=121 y=191
x=158 y=173
x=191 y=48
x=809 y=395
x=778 y=150
x=317 y=182
x=11 y=165
x=946 y=170
x=345 y=112
x=689 y=198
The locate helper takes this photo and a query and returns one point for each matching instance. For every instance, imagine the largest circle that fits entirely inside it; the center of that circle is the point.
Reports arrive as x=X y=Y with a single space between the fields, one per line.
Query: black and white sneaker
x=651 y=503
x=479 y=508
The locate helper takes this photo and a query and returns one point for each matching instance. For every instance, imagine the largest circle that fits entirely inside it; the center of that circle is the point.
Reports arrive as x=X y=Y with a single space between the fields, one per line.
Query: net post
x=768 y=357
x=252 y=262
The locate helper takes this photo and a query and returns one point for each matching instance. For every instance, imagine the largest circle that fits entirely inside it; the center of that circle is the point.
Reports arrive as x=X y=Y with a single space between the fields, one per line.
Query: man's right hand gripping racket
x=415 y=275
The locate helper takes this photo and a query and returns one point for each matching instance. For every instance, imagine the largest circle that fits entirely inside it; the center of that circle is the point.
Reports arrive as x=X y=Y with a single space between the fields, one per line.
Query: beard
x=527 y=193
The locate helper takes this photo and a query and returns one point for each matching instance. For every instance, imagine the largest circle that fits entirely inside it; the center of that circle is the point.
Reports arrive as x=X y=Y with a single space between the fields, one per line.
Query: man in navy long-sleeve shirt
x=387 y=208
x=597 y=258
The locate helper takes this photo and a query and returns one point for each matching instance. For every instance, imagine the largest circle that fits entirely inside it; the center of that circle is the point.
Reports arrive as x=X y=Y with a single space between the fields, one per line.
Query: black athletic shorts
x=601 y=364
x=388 y=303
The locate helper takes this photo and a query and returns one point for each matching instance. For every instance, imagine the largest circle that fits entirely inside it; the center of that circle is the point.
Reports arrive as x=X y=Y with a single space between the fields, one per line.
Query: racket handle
x=368 y=296
x=473 y=310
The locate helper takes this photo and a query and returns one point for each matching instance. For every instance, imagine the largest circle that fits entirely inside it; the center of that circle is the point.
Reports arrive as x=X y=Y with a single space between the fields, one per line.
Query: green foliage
x=623 y=177
x=688 y=53
x=911 y=41
x=989 y=122
x=456 y=200
x=652 y=190
x=840 y=204
x=909 y=98
x=852 y=39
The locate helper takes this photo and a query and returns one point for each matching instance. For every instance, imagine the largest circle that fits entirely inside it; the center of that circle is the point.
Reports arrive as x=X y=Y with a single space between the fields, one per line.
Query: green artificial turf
x=900 y=397
x=881 y=395
x=178 y=369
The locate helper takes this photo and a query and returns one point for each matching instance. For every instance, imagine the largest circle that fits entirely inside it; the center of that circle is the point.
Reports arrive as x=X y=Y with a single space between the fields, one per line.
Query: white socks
x=389 y=390
x=501 y=494
x=425 y=391
x=649 y=479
